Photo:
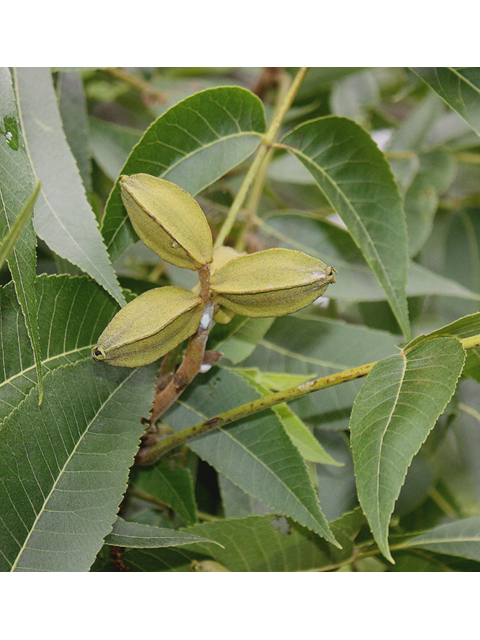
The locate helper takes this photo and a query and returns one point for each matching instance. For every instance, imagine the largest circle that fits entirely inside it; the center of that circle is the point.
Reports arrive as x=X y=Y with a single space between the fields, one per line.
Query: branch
x=157 y=450
x=263 y=149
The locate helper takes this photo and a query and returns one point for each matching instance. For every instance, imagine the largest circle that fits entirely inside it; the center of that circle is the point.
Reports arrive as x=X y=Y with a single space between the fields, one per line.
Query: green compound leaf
x=143 y=536
x=393 y=414
x=356 y=178
x=64 y=466
x=63 y=216
x=461 y=538
x=459 y=88
x=254 y=453
x=192 y=144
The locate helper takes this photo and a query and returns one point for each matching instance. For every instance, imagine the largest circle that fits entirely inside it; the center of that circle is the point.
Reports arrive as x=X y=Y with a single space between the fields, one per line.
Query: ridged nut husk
x=168 y=220
x=270 y=283
x=149 y=327
x=221 y=255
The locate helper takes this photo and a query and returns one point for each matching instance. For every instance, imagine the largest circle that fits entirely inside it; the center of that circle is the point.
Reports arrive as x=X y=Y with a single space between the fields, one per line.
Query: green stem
x=158 y=449
x=263 y=149
x=258 y=184
x=153 y=453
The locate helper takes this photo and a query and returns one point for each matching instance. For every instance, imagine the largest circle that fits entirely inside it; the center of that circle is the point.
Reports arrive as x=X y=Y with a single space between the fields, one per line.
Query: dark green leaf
x=172 y=486
x=257 y=544
x=255 y=453
x=192 y=144
x=393 y=414
x=9 y=240
x=64 y=466
x=355 y=177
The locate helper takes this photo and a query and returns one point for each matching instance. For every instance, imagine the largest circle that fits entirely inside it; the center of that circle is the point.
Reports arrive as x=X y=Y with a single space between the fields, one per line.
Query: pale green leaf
x=134 y=535
x=354 y=95
x=64 y=466
x=63 y=216
x=255 y=453
x=435 y=174
x=238 y=504
x=393 y=414
x=16 y=187
x=356 y=178
x=412 y=131
x=458 y=87
x=460 y=538
x=192 y=144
